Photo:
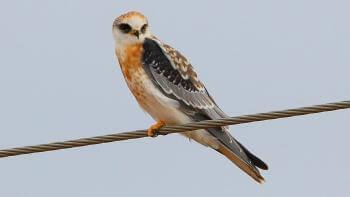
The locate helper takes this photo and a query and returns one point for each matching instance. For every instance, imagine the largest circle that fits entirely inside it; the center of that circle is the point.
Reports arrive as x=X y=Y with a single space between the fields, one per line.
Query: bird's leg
x=151 y=131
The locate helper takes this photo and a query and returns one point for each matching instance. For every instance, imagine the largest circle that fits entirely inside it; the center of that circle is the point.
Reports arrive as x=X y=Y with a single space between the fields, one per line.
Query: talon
x=152 y=130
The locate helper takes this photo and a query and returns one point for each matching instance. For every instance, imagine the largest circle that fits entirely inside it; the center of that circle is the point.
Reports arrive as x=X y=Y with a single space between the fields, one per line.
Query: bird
x=167 y=87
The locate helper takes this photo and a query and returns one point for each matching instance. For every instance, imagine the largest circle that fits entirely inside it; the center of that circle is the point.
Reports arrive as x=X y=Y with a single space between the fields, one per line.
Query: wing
x=175 y=76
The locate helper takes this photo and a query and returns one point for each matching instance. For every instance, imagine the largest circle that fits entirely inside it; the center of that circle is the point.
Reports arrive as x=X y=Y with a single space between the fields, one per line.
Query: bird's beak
x=136 y=33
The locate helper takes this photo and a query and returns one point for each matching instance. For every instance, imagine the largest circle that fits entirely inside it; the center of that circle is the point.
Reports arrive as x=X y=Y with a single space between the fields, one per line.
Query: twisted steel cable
x=176 y=129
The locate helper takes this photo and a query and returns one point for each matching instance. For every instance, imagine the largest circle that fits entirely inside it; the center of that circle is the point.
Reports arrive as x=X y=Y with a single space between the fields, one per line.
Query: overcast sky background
x=59 y=80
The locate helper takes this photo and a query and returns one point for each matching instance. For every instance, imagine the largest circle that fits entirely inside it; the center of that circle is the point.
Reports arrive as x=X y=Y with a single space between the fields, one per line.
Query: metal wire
x=175 y=129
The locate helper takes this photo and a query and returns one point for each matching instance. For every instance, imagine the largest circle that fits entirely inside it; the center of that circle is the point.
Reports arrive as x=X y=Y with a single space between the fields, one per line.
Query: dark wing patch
x=180 y=63
x=172 y=72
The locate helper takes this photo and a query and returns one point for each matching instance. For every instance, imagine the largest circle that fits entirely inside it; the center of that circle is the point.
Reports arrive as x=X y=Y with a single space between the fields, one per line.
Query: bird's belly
x=154 y=102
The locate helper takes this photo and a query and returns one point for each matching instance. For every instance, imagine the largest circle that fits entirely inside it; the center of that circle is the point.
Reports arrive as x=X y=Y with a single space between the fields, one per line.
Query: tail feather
x=249 y=169
x=255 y=160
x=238 y=154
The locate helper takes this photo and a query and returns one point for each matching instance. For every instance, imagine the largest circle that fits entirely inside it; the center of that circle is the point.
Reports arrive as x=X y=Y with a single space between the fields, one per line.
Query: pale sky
x=59 y=80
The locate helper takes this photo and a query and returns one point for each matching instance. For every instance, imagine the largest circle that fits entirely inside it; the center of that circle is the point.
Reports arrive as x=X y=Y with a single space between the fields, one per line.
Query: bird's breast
x=130 y=61
x=149 y=97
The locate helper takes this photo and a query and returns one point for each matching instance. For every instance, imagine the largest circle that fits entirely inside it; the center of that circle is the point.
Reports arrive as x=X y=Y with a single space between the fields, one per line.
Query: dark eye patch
x=143 y=28
x=125 y=28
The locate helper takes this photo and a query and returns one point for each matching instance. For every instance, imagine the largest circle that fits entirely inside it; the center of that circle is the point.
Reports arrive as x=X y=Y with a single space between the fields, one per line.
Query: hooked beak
x=137 y=34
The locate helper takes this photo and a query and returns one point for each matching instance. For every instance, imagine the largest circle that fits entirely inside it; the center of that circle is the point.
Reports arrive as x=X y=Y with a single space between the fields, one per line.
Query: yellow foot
x=153 y=129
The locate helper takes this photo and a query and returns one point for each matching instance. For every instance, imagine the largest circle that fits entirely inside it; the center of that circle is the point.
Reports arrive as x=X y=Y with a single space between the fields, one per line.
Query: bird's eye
x=143 y=28
x=125 y=28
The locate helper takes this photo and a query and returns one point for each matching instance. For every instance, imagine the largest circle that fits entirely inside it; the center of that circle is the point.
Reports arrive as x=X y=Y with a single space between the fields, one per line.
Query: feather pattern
x=176 y=78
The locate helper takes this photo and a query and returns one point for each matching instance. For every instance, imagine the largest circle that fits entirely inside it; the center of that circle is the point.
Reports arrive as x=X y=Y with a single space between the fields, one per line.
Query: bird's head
x=130 y=28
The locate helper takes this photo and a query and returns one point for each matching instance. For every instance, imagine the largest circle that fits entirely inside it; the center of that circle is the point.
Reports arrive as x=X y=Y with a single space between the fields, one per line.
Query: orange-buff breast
x=130 y=60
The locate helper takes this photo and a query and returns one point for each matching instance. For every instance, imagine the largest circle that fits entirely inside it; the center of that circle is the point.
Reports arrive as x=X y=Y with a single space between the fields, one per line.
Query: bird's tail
x=243 y=165
x=239 y=155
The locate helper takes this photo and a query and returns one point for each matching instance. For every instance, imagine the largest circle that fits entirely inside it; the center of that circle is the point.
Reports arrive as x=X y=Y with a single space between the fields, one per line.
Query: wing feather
x=172 y=72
